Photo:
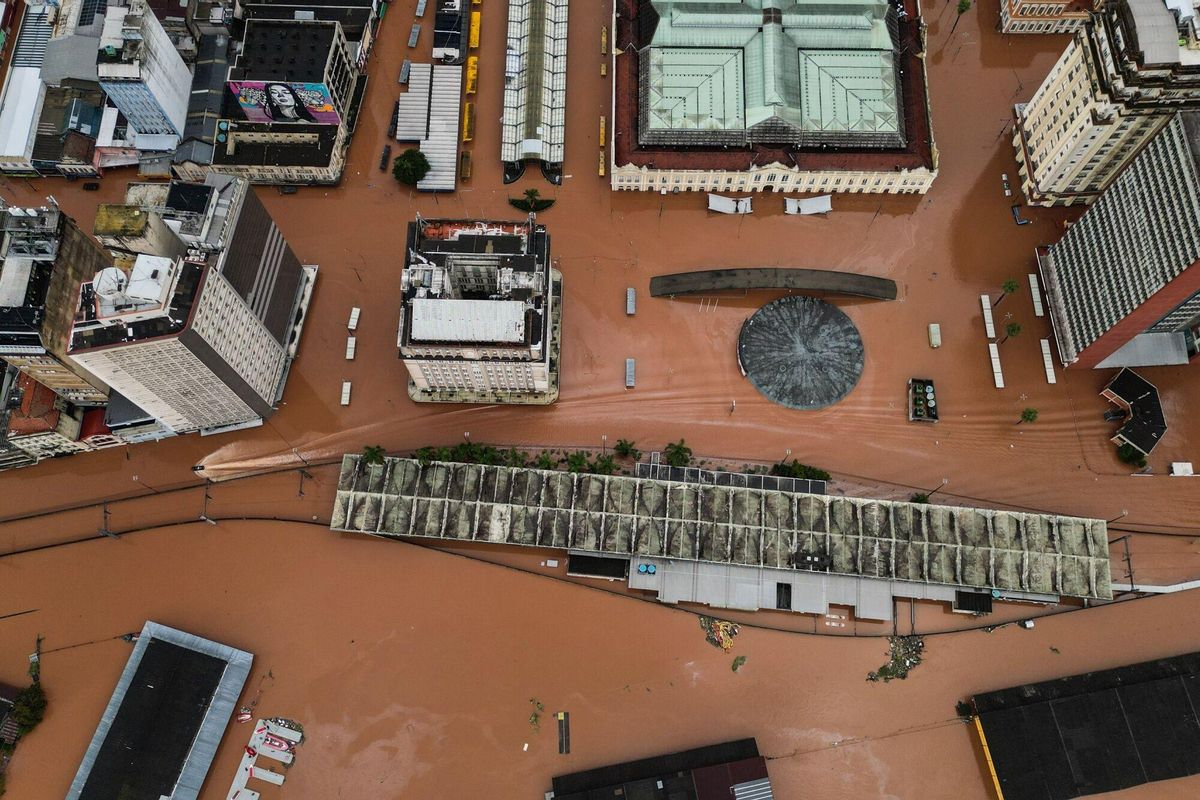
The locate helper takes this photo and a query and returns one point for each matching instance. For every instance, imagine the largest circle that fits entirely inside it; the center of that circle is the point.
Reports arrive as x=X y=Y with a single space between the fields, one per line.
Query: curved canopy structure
x=806 y=280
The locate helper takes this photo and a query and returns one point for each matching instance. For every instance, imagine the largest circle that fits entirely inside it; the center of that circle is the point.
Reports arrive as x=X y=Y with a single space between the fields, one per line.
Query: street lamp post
x=604 y=444
x=932 y=492
x=1122 y=515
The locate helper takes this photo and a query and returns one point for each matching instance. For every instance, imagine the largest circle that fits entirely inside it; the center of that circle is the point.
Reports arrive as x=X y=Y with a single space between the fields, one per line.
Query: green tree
x=1028 y=415
x=373 y=454
x=577 y=462
x=625 y=449
x=963 y=7
x=532 y=202
x=1131 y=455
x=677 y=454
x=545 y=461
x=410 y=167
x=1010 y=330
x=603 y=465
x=1010 y=286
x=515 y=458
x=29 y=707
x=919 y=497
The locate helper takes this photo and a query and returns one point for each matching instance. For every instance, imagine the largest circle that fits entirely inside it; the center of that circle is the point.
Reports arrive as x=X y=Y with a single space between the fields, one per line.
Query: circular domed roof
x=801 y=352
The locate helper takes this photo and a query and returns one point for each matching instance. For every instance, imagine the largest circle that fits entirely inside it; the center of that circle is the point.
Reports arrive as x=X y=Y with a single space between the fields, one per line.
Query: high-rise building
x=1045 y=16
x=177 y=340
x=223 y=222
x=143 y=75
x=45 y=259
x=1123 y=284
x=291 y=98
x=1116 y=85
x=480 y=314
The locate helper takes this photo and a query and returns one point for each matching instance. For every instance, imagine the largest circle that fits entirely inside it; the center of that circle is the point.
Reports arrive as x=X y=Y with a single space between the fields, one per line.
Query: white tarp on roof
x=483 y=321
x=809 y=205
x=729 y=205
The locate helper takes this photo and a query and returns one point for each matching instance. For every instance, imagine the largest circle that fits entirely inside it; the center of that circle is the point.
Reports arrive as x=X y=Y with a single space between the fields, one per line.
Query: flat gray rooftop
x=626 y=516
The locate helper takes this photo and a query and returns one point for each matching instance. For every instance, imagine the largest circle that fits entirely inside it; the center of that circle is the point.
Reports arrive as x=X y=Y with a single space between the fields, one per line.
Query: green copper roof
x=814 y=66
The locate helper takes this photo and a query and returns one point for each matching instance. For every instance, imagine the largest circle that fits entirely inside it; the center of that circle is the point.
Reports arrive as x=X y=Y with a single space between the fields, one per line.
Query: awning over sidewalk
x=809 y=205
x=729 y=205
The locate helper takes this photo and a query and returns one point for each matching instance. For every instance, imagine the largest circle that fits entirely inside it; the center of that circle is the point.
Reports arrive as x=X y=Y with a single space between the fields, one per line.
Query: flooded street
x=412 y=669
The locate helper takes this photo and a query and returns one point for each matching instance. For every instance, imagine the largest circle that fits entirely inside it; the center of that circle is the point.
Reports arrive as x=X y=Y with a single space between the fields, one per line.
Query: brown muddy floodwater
x=412 y=669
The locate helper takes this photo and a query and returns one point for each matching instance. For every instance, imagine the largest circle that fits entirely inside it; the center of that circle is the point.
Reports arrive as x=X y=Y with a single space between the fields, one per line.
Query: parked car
x=91 y=186
x=385 y=158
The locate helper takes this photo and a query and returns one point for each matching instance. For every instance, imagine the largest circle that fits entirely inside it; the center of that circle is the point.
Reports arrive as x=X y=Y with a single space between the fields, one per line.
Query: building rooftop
x=168 y=713
x=1146 y=424
x=295 y=51
x=152 y=300
x=353 y=15
x=1099 y=732
x=773 y=72
x=461 y=321
x=627 y=516
x=717 y=772
x=37 y=412
x=114 y=219
x=298 y=144
x=828 y=110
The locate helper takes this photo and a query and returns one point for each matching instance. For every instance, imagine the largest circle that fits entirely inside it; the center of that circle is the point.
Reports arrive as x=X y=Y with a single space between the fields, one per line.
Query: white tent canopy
x=729 y=205
x=809 y=205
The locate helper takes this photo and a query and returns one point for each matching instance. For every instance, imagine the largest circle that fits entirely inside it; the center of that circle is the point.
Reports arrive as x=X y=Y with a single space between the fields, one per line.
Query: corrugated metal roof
x=446 y=320
x=822 y=66
x=412 y=117
x=441 y=145
x=753 y=790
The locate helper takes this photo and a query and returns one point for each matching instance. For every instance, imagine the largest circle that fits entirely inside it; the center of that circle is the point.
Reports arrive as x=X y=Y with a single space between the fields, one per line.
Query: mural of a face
x=276 y=101
x=282 y=97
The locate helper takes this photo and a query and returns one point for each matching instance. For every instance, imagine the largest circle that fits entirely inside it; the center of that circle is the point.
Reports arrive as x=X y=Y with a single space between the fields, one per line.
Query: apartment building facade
x=1123 y=284
x=144 y=76
x=1114 y=87
x=1041 y=16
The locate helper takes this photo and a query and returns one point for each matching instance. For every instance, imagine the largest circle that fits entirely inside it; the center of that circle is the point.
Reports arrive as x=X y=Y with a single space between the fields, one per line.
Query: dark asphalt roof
x=1098 y=732
x=1146 y=424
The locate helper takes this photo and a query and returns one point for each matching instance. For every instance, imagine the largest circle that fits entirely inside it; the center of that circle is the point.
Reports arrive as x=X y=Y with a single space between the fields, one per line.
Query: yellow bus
x=603 y=129
x=604 y=41
x=472 y=74
x=474 y=40
x=468 y=125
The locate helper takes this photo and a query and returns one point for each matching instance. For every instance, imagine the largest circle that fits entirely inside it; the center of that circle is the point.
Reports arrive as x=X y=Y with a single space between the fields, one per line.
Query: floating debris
x=719 y=632
x=906 y=654
x=535 y=717
x=737 y=662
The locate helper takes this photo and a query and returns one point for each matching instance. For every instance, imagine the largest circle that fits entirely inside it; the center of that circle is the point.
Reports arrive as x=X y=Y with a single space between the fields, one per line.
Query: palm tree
x=577 y=461
x=1009 y=287
x=603 y=465
x=1012 y=329
x=1028 y=415
x=625 y=449
x=677 y=454
x=963 y=7
x=531 y=197
x=373 y=454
